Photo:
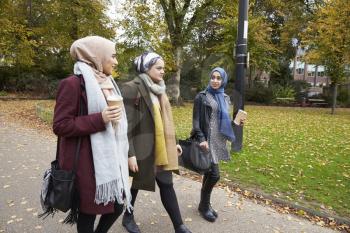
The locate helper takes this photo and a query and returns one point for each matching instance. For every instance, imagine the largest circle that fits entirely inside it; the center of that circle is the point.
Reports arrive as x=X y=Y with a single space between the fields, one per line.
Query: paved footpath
x=26 y=153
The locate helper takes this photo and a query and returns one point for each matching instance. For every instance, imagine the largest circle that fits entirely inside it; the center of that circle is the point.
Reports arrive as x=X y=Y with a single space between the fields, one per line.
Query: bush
x=259 y=94
x=344 y=97
x=301 y=88
x=282 y=91
x=3 y=93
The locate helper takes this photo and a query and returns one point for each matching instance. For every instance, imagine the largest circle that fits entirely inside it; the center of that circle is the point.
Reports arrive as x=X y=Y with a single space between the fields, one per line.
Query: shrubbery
x=259 y=94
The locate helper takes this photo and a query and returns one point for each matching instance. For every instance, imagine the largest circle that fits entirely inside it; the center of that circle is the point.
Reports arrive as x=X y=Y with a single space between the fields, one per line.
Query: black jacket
x=201 y=116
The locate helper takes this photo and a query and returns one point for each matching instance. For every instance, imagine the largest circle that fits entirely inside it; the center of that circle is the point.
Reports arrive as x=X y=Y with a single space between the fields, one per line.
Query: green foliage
x=35 y=37
x=144 y=29
x=300 y=87
x=328 y=39
x=283 y=91
x=259 y=94
x=344 y=97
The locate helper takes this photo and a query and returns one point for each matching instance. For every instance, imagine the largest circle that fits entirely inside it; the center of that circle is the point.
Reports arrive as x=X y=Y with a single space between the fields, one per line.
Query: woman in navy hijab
x=212 y=128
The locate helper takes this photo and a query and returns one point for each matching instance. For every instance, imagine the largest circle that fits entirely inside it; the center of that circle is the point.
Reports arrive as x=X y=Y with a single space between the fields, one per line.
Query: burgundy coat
x=69 y=126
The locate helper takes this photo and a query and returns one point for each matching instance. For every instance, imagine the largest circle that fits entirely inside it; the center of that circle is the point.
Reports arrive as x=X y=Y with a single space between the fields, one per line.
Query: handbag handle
x=77 y=151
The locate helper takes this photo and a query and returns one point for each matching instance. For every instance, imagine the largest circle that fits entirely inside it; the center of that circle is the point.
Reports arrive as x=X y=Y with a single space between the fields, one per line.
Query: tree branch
x=168 y=18
x=194 y=18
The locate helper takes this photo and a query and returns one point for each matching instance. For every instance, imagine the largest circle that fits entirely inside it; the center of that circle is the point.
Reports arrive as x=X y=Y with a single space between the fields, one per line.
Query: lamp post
x=241 y=65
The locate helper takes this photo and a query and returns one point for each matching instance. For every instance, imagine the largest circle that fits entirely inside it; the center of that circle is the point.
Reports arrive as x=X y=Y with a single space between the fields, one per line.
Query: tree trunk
x=173 y=88
x=315 y=77
x=295 y=65
x=250 y=77
x=305 y=71
x=334 y=97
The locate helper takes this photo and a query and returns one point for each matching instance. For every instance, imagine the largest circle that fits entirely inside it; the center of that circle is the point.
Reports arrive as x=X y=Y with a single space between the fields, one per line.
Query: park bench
x=317 y=102
x=285 y=100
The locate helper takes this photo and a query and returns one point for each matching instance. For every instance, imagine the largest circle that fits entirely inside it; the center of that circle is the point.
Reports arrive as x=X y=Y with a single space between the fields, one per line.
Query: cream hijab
x=95 y=51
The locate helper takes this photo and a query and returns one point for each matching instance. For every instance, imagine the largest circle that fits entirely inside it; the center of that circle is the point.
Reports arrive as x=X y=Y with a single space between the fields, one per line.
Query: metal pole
x=241 y=65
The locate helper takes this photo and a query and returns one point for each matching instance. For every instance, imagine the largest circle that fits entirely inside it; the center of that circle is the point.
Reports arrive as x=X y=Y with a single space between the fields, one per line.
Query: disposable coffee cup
x=115 y=101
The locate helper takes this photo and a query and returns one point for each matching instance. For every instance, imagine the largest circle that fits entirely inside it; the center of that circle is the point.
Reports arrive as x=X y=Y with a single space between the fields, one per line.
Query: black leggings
x=86 y=222
x=169 y=200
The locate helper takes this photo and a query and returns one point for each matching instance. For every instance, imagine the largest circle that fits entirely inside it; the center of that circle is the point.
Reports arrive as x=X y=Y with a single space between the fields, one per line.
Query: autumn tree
x=285 y=20
x=35 y=37
x=328 y=41
x=141 y=31
x=263 y=52
x=180 y=18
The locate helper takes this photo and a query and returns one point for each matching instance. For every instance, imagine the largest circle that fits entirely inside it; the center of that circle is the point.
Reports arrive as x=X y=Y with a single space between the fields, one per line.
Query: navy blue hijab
x=225 y=126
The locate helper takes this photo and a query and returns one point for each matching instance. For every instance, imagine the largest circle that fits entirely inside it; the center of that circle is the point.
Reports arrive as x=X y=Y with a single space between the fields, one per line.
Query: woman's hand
x=204 y=145
x=133 y=164
x=111 y=113
x=179 y=150
x=242 y=122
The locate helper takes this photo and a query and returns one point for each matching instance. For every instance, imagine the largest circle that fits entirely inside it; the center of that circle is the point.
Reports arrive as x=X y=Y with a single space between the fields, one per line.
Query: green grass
x=3 y=93
x=297 y=154
x=44 y=110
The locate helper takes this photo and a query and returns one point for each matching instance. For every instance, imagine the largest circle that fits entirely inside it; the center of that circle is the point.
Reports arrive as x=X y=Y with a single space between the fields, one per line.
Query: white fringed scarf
x=109 y=148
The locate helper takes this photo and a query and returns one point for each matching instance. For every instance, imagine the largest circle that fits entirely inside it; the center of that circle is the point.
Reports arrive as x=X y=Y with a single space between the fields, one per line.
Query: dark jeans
x=86 y=222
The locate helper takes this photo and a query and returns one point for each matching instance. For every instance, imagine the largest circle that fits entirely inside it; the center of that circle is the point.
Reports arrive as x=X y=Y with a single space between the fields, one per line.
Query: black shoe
x=130 y=224
x=213 y=211
x=182 y=229
x=206 y=213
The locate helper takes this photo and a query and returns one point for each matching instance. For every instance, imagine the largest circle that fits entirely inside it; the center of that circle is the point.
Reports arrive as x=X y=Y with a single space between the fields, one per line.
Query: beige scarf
x=167 y=122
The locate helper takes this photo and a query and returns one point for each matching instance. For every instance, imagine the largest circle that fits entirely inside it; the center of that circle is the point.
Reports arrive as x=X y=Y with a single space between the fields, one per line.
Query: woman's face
x=215 y=80
x=156 y=72
x=109 y=64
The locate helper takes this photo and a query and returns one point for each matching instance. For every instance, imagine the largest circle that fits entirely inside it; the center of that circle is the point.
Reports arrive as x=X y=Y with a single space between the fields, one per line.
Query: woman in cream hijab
x=102 y=168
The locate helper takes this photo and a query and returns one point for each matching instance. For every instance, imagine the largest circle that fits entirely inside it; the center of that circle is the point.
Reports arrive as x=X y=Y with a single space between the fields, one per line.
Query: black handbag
x=58 y=191
x=61 y=185
x=193 y=157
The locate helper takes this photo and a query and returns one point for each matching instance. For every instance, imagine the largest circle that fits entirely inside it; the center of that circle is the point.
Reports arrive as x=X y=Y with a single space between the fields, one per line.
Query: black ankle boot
x=182 y=229
x=213 y=211
x=205 y=212
x=130 y=224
